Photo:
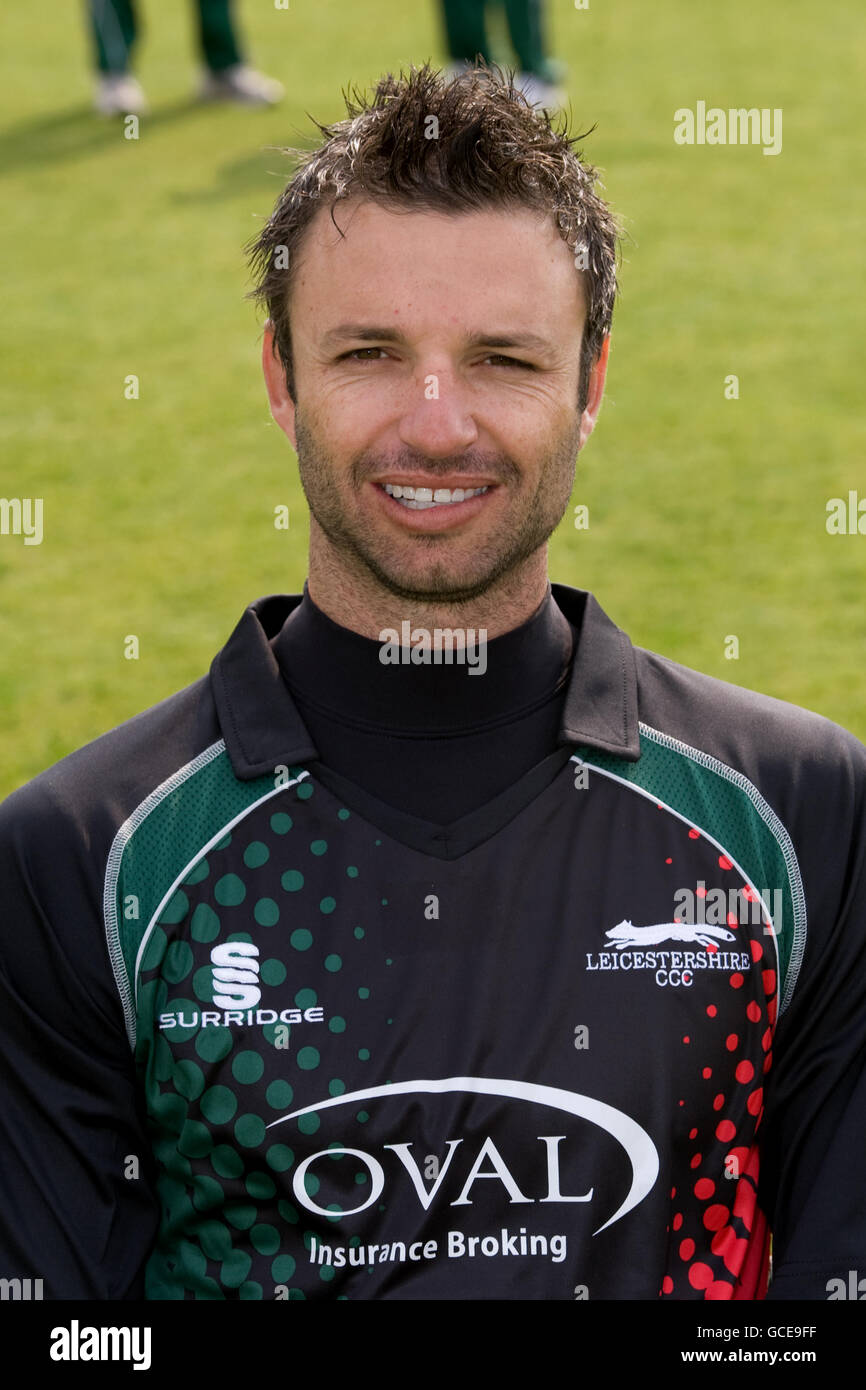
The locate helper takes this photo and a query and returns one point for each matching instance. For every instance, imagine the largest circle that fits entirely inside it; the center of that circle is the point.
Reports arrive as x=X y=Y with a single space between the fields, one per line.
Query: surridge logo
x=236 y=974
x=236 y=985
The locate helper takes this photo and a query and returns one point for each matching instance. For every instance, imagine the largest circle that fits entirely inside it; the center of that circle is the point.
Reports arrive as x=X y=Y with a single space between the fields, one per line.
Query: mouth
x=423 y=505
x=419 y=499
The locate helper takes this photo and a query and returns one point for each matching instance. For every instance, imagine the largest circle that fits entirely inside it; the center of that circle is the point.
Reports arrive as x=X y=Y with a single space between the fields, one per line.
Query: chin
x=437 y=588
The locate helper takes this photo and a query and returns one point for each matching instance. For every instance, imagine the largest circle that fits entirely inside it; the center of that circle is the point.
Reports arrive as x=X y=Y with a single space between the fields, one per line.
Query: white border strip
x=780 y=835
x=129 y=997
x=112 y=872
x=184 y=873
x=652 y=796
x=770 y=819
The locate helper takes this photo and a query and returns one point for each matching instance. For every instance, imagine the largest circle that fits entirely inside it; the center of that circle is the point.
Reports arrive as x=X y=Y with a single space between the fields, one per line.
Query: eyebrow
x=533 y=342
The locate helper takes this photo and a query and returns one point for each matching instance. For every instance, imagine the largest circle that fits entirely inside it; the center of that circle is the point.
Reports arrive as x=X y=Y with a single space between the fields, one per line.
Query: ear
x=595 y=392
x=281 y=403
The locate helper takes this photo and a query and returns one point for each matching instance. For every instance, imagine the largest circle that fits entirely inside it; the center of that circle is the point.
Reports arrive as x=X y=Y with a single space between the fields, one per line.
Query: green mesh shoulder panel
x=729 y=811
x=155 y=848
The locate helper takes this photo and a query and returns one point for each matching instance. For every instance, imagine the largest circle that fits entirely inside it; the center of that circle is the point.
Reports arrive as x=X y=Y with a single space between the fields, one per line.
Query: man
x=114 y=27
x=439 y=944
x=465 y=24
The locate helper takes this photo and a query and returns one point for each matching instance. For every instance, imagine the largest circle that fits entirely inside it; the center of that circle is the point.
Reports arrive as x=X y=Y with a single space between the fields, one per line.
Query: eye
x=510 y=362
x=355 y=354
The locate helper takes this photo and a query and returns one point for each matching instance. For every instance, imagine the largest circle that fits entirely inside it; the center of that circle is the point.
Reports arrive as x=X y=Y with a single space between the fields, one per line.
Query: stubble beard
x=491 y=564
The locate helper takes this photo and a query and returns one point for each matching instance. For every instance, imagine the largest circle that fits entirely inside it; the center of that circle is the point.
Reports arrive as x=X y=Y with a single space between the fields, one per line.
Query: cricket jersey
x=334 y=978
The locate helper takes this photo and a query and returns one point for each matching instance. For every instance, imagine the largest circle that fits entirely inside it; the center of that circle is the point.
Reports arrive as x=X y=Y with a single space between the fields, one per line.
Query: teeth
x=420 y=498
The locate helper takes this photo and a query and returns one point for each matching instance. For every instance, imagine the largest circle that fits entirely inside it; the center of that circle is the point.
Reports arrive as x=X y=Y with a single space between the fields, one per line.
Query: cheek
x=343 y=429
x=557 y=464
x=317 y=431
x=537 y=426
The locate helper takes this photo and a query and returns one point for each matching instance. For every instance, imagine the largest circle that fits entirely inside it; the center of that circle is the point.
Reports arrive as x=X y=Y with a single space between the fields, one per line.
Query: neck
x=355 y=599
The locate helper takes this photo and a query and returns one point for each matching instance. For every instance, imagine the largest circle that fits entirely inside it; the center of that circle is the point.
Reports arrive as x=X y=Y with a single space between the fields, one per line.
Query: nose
x=437 y=420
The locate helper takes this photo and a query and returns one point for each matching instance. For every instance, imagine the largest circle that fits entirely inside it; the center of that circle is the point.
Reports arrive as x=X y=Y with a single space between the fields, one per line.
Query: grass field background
x=707 y=515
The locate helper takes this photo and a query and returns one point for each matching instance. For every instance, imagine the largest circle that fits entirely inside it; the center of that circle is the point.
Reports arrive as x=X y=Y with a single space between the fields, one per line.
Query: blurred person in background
x=115 y=27
x=466 y=36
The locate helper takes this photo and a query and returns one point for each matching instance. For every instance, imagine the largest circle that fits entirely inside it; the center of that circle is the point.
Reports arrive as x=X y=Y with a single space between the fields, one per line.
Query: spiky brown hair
x=492 y=149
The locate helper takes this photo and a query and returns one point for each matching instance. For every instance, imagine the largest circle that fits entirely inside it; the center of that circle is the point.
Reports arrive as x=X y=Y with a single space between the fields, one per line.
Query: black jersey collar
x=263 y=729
x=601 y=703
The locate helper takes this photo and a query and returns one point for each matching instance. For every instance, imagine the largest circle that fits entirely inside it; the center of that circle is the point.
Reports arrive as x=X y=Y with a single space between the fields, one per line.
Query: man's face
x=439 y=354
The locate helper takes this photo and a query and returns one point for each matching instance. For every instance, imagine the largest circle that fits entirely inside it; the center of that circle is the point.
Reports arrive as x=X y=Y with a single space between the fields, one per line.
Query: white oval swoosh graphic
x=640 y=1148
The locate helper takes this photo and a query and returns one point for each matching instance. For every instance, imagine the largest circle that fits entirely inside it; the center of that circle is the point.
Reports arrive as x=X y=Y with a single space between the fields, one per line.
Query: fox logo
x=624 y=934
x=236 y=972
